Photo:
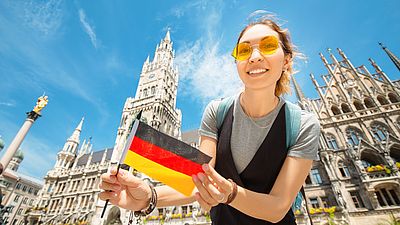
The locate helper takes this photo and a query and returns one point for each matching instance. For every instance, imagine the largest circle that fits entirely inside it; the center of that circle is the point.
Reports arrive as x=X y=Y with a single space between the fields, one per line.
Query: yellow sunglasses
x=267 y=46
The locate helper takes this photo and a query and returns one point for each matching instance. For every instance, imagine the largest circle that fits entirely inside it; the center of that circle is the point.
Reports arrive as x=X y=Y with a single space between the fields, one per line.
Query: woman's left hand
x=212 y=188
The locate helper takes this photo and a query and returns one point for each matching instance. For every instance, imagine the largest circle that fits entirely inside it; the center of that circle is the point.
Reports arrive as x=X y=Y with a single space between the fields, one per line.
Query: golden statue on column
x=41 y=103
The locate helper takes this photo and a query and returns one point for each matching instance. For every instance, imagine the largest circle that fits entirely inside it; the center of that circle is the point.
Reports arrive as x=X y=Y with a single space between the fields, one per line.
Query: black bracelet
x=152 y=204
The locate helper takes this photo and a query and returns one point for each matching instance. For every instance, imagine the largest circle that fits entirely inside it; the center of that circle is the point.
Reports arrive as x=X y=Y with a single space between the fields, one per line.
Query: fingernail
x=194 y=177
x=121 y=173
x=205 y=167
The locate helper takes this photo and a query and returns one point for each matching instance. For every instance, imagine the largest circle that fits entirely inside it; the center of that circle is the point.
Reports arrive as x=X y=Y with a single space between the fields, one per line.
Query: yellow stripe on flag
x=178 y=181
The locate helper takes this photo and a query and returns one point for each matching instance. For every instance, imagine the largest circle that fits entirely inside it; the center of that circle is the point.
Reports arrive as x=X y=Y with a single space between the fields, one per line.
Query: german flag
x=163 y=158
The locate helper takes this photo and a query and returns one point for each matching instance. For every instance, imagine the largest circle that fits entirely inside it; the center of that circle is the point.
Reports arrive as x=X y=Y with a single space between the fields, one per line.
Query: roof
x=25 y=178
x=96 y=157
x=190 y=136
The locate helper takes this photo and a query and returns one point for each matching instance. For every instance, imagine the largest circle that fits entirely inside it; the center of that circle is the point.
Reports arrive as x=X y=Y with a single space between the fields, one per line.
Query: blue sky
x=87 y=57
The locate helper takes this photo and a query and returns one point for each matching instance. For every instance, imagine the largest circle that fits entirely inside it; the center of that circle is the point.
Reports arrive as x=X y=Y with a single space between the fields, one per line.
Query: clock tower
x=155 y=97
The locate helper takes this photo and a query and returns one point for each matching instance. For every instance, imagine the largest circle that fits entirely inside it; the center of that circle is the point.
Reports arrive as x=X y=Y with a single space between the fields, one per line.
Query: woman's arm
x=278 y=202
x=275 y=205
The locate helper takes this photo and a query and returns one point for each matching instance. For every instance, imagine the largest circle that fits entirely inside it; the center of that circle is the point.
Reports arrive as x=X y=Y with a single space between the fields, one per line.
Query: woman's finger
x=202 y=202
x=108 y=177
x=109 y=187
x=108 y=195
x=211 y=188
x=222 y=183
x=203 y=191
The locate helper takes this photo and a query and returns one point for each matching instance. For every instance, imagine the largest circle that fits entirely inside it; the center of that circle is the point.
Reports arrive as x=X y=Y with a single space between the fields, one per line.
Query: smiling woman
x=262 y=146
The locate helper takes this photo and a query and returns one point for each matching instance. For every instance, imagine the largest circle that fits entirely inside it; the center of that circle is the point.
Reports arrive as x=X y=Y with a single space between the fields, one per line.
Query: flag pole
x=138 y=117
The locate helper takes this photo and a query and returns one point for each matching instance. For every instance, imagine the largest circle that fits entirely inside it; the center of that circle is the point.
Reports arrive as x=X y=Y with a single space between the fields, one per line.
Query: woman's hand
x=124 y=190
x=212 y=188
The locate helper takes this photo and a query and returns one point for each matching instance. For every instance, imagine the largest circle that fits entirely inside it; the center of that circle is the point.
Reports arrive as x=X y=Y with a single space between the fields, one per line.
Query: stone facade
x=359 y=112
x=19 y=191
x=71 y=187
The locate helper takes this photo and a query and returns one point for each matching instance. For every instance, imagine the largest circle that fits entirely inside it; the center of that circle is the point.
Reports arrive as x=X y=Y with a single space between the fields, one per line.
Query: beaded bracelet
x=152 y=204
x=233 y=194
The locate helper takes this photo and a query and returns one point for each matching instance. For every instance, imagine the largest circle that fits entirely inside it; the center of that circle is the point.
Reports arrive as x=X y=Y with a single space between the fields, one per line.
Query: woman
x=249 y=148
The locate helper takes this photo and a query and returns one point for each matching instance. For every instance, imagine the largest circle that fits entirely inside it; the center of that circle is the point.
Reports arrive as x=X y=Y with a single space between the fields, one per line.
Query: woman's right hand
x=125 y=190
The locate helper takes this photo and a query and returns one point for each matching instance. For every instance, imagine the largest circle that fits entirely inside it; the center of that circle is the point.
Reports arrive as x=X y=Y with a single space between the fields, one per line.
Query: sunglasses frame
x=235 y=50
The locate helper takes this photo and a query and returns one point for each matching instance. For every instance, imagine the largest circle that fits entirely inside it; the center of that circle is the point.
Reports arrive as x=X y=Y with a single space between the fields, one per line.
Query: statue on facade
x=40 y=104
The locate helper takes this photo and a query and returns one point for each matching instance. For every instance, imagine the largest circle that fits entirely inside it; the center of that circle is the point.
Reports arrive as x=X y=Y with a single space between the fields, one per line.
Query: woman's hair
x=283 y=84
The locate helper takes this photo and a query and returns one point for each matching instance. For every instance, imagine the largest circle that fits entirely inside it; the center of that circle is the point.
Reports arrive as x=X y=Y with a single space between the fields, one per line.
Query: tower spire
x=392 y=57
x=75 y=135
x=167 y=35
x=299 y=93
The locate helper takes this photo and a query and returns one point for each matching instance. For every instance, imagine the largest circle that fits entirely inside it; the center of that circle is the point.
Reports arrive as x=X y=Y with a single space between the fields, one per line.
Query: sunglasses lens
x=268 y=45
x=242 y=51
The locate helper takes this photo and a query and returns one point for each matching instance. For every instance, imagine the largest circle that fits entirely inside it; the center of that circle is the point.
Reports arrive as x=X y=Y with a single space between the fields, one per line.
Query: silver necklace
x=251 y=118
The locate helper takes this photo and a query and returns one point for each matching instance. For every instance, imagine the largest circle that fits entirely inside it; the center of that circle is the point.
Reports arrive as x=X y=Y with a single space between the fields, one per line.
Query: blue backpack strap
x=223 y=108
x=293 y=119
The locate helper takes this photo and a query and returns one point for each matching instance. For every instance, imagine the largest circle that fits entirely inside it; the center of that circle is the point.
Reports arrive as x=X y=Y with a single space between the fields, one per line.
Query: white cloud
x=8 y=103
x=88 y=29
x=45 y=17
x=205 y=70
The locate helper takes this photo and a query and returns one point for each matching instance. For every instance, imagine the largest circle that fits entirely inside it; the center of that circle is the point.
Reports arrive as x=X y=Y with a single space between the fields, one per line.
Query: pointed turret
x=167 y=36
x=299 y=93
x=392 y=57
x=75 y=135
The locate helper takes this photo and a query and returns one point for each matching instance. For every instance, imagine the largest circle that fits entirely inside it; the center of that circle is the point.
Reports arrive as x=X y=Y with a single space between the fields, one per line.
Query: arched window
x=369 y=103
x=344 y=170
x=331 y=141
x=393 y=97
x=335 y=110
x=371 y=158
x=153 y=90
x=379 y=132
x=395 y=153
x=387 y=195
x=145 y=92
x=345 y=108
x=382 y=100
x=358 y=105
x=353 y=136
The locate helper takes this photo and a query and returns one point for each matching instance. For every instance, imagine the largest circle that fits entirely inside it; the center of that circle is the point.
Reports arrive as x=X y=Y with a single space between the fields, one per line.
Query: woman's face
x=260 y=71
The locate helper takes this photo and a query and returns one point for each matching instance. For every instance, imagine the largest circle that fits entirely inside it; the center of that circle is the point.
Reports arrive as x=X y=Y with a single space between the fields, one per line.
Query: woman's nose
x=255 y=56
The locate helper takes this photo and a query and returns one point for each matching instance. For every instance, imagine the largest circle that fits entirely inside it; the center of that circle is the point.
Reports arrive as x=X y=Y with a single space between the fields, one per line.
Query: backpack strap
x=293 y=119
x=223 y=109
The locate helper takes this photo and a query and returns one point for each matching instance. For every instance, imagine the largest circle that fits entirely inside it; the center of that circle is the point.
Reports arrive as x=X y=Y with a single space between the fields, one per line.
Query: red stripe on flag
x=164 y=157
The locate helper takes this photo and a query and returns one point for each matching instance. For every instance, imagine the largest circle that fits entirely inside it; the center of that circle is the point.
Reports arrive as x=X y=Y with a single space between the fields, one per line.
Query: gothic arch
x=395 y=152
x=343 y=168
x=353 y=135
x=345 y=108
x=358 y=104
x=335 y=110
x=371 y=158
x=369 y=102
x=331 y=141
x=382 y=100
x=379 y=131
x=369 y=84
x=393 y=98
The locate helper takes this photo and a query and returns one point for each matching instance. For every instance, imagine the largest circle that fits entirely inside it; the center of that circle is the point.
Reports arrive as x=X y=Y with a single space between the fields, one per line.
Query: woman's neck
x=258 y=103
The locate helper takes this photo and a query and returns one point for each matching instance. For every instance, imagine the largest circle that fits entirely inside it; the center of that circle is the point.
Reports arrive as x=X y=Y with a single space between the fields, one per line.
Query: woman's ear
x=287 y=62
